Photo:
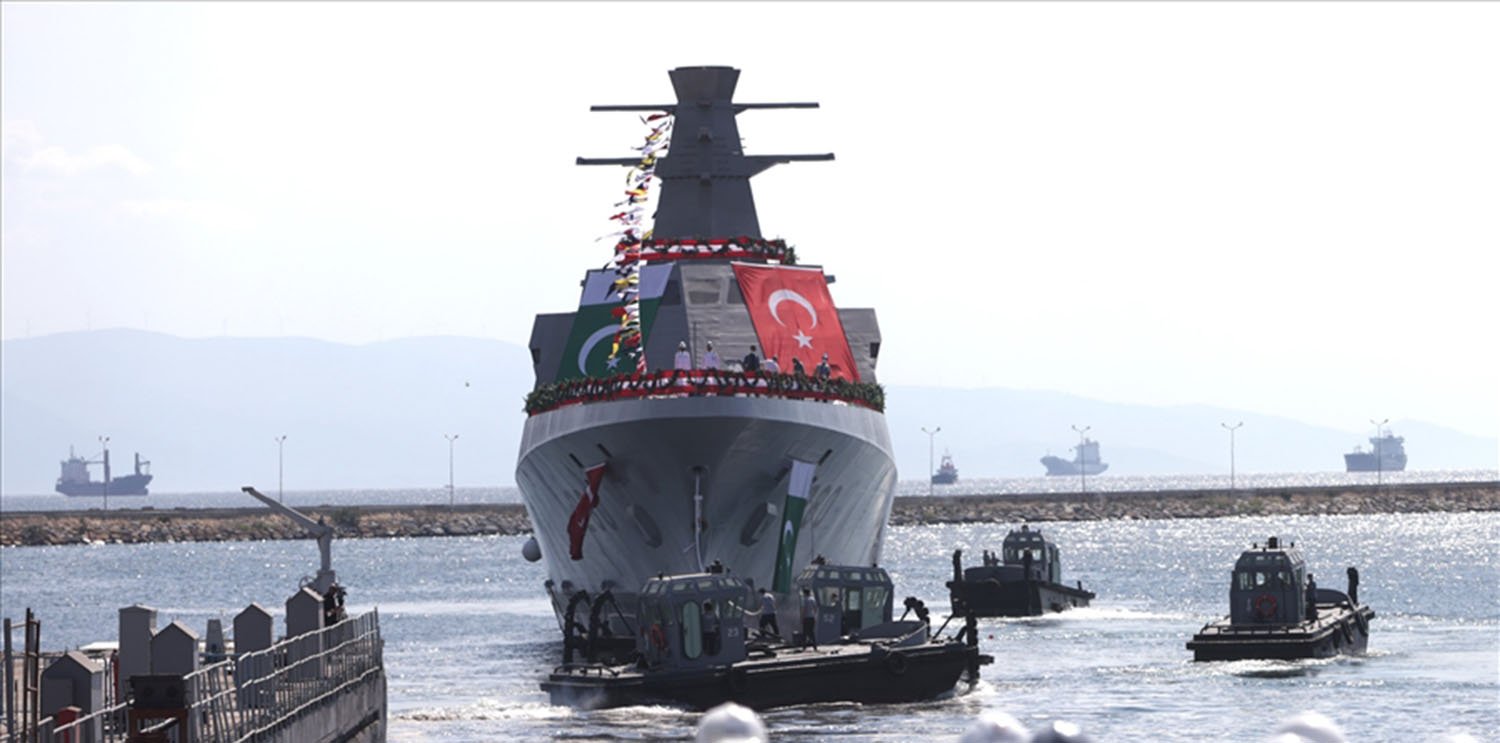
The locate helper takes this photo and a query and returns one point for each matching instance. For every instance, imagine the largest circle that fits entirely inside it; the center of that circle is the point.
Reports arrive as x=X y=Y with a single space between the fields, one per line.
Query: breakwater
x=241 y=524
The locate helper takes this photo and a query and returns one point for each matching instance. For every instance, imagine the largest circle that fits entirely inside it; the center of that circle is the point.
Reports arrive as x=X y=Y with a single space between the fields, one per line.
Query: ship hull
x=1059 y=466
x=127 y=485
x=1368 y=462
x=993 y=598
x=736 y=452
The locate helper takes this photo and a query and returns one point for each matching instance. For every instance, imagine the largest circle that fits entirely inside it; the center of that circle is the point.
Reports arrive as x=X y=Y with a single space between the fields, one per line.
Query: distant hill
x=206 y=411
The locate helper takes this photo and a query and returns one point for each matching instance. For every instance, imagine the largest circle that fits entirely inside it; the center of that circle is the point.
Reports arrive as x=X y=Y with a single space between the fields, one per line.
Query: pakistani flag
x=594 y=325
x=791 y=524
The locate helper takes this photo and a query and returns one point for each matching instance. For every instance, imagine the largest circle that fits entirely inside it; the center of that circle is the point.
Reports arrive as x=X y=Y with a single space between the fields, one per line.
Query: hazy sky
x=1286 y=208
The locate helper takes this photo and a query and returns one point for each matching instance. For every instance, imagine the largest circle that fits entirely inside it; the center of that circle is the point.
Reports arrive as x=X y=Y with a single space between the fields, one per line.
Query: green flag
x=798 y=486
x=586 y=353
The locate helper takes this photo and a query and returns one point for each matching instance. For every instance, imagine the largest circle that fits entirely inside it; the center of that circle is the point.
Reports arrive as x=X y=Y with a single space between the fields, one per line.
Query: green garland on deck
x=549 y=396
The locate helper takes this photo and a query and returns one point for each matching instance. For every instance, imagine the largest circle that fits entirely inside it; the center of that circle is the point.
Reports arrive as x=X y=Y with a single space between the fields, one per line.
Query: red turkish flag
x=578 y=523
x=794 y=317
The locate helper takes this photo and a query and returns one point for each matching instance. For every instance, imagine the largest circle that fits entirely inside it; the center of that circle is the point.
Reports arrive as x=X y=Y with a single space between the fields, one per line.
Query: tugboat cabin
x=850 y=599
x=1268 y=586
x=1035 y=557
x=693 y=621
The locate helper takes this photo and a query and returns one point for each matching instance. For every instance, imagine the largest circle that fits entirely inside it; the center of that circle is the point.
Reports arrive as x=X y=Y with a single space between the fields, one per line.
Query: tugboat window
x=831 y=596
x=692 y=630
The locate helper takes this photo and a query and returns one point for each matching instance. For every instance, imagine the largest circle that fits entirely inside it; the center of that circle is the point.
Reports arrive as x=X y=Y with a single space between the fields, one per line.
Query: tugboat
x=1387 y=454
x=75 y=478
x=947 y=473
x=1276 y=611
x=1025 y=581
x=1085 y=461
x=693 y=651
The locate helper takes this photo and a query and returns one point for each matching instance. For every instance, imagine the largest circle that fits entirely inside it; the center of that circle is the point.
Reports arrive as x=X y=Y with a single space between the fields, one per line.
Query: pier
x=244 y=524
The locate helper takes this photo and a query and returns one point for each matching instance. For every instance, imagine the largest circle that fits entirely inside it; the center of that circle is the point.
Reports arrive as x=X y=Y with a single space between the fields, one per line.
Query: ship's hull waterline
x=739 y=450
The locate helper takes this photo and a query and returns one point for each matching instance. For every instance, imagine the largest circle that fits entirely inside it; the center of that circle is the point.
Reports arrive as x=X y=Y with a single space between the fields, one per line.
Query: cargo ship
x=1085 y=461
x=1387 y=454
x=644 y=454
x=75 y=479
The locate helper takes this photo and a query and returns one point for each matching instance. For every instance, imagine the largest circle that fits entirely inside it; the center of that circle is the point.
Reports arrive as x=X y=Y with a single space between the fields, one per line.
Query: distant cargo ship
x=1085 y=461
x=75 y=478
x=947 y=473
x=1387 y=454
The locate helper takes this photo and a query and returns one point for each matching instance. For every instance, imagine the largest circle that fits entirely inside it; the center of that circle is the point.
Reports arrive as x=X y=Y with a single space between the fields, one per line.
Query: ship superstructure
x=631 y=465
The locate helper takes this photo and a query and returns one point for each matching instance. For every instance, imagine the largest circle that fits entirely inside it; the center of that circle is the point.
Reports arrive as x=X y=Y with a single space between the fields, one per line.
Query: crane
x=325 y=579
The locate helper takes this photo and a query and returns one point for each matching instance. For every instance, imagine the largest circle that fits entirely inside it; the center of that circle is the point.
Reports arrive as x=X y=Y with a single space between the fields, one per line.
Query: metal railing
x=251 y=694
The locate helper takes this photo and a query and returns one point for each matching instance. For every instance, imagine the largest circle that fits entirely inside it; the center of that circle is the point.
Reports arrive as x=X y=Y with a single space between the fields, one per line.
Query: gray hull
x=741 y=448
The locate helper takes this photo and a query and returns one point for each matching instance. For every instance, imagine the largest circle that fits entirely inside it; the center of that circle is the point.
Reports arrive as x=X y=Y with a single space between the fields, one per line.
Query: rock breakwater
x=242 y=524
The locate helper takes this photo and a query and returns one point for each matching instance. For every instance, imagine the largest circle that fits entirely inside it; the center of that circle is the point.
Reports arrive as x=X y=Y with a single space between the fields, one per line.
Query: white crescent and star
x=608 y=331
x=787 y=295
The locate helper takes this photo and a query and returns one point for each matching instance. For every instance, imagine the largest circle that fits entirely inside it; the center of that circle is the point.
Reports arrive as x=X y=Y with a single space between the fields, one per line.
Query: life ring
x=658 y=636
x=896 y=663
x=738 y=679
x=1265 y=606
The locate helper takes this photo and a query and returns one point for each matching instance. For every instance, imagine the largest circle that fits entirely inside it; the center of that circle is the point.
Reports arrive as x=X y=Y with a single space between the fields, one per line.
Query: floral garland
x=738 y=247
x=627 y=258
x=704 y=382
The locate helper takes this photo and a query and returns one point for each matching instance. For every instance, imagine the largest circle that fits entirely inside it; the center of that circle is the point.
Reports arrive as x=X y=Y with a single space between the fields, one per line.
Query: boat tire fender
x=896 y=663
x=1265 y=606
x=1348 y=633
x=1364 y=624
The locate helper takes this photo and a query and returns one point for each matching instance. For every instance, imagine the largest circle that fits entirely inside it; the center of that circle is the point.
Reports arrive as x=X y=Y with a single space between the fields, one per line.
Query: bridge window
x=704 y=291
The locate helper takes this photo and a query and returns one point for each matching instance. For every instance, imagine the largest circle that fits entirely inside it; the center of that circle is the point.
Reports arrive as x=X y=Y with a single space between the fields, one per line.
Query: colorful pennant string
x=627 y=258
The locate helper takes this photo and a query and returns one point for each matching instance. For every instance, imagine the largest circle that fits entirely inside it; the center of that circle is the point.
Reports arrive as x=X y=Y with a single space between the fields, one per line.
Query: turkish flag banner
x=578 y=523
x=794 y=317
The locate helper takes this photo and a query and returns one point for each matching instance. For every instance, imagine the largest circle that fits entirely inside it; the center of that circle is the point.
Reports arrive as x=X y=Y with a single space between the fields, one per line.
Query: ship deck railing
x=668 y=383
x=246 y=697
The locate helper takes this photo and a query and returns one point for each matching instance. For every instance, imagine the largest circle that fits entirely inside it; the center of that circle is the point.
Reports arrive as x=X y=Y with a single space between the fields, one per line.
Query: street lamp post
x=451 y=438
x=104 y=442
x=1083 y=483
x=931 y=437
x=1379 y=465
x=280 y=470
x=1231 y=429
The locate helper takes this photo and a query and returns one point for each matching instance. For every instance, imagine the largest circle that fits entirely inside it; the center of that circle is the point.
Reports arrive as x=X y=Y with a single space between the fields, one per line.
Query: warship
x=1277 y=612
x=1085 y=461
x=1387 y=454
x=638 y=460
x=1025 y=580
x=75 y=479
x=947 y=472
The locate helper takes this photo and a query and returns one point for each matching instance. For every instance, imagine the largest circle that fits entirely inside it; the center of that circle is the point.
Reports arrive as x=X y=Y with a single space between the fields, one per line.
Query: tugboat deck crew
x=1277 y=611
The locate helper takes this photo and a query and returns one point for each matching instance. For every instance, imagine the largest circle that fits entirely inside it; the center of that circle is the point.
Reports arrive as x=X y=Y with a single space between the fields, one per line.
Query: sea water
x=469 y=634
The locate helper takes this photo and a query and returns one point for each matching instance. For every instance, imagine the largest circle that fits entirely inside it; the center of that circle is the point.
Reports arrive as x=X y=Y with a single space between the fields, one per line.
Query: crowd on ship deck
x=751 y=376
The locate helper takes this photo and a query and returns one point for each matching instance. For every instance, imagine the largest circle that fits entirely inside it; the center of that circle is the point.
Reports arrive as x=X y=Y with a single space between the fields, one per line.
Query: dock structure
x=327 y=684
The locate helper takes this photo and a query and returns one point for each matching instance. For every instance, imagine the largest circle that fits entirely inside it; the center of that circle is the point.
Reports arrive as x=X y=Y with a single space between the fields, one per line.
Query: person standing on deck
x=751 y=363
x=809 y=619
x=711 y=358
